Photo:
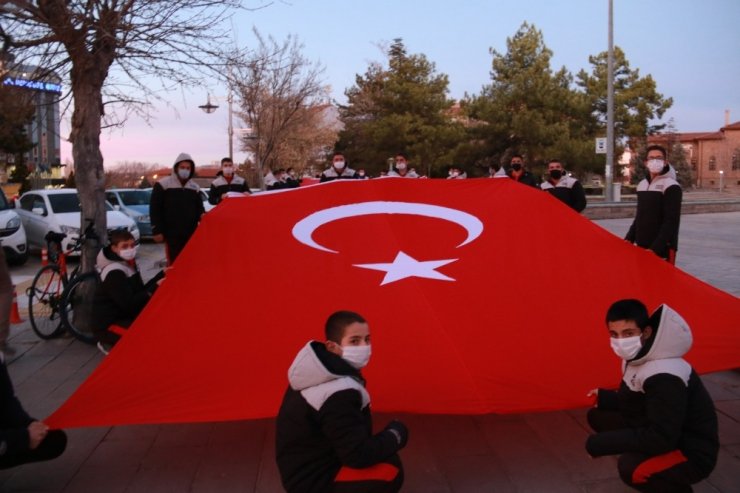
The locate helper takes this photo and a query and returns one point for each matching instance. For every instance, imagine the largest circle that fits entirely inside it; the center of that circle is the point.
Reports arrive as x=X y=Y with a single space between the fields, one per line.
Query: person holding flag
x=661 y=420
x=338 y=169
x=227 y=182
x=324 y=439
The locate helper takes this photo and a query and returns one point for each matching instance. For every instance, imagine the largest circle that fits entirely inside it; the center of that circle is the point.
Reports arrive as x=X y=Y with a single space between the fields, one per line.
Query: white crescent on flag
x=304 y=229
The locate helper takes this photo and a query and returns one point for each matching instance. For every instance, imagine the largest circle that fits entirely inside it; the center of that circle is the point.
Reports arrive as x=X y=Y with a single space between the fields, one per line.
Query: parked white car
x=12 y=234
x=58 y=210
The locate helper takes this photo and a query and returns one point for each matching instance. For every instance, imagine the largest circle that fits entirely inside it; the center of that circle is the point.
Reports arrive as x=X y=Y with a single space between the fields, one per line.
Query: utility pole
x=608 y=172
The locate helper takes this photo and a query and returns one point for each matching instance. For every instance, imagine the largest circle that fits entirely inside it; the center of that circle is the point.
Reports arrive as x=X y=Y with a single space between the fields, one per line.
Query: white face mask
x=357 y=356
x=184 y=174
x=339 y=164
x=128 y=253
x=228 y=170
x=401 y=166
x=655 y=165
x=627 y=347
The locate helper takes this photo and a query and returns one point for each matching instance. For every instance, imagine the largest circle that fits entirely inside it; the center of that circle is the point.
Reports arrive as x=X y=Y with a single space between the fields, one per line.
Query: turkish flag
x=481 y=296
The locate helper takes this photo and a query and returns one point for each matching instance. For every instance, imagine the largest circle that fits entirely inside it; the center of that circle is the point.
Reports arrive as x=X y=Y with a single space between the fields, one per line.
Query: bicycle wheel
x=44 y=299
x=76 y=307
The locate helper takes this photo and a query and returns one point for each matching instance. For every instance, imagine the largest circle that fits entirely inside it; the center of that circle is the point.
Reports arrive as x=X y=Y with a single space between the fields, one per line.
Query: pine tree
x=399 y=108
x=531 y=109
x=636 y=99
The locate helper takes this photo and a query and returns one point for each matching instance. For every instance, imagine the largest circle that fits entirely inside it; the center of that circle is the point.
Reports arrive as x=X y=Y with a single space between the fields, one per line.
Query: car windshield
x=4 y=202
x=135 y=197
x=67 y=202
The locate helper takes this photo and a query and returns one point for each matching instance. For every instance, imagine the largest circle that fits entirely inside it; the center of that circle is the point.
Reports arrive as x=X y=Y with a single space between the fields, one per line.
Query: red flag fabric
x=481 y=295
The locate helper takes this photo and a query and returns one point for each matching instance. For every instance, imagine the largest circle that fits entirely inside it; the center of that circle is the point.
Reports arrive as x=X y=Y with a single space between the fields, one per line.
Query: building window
x=712 y=163
x=736 y=160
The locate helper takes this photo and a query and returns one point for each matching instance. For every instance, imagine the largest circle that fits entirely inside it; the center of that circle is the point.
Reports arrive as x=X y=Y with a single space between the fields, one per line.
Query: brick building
x=714 y=156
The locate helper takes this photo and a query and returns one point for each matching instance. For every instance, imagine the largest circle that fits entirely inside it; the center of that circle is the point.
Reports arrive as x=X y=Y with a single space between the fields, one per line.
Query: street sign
x=600 y=145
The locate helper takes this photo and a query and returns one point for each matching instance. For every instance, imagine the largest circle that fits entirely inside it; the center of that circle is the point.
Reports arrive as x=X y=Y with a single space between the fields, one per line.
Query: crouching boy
x=324 y=437
x=661 y=420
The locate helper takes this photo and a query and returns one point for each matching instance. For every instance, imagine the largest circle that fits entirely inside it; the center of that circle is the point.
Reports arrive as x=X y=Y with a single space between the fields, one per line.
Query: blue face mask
x=184 y=174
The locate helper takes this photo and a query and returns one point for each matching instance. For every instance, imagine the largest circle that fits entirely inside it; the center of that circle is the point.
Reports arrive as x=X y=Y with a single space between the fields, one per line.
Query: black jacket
x=662 y=401
x=569 y=191
x=526 y=178
x=324 y=423
x=220 y=186
x=14 y=420
x=174 y=208
x=120 y=295
x=332 y=174
x=658 y=214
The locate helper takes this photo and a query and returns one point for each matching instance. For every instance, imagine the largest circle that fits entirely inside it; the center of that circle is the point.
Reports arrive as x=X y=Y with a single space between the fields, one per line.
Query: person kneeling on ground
x=121 y=294
x=662 y=419
x=22 y=438
x=324 y=438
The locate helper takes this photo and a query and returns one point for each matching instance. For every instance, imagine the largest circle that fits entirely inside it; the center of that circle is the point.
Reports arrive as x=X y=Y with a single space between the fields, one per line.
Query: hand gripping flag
x=482 y=296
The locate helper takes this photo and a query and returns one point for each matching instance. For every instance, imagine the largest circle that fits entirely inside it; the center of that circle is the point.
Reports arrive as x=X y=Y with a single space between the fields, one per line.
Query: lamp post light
x=210 y=108
x=721 y=180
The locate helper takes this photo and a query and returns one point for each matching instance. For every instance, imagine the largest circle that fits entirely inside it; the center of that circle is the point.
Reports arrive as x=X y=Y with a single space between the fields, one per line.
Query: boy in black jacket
x=22 y=438
x=121 y=293
x=661 y=420
x=324 y=437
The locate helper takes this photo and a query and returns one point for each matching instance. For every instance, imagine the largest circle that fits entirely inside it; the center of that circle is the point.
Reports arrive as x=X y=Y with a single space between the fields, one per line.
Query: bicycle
x=54 y=295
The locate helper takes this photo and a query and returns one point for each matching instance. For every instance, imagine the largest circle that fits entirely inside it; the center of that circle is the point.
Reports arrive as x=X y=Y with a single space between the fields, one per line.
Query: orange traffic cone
x=44 y=256
x=15 y=316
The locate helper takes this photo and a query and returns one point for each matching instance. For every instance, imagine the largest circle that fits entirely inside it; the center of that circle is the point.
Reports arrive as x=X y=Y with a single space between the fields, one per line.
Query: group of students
x=661 y=421
x=559 y=184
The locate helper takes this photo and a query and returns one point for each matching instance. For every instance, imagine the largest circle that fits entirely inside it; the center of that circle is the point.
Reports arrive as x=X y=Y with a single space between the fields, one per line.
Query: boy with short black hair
x=324 y=438
x=661 y=420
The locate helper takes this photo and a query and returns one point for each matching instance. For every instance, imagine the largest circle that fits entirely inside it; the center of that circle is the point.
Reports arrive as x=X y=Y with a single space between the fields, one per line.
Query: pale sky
x=691 y=48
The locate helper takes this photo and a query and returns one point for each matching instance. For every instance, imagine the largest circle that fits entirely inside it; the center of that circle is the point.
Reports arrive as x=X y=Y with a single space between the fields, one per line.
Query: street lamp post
x=210 y=108
x=608 y=192
x=721 y=180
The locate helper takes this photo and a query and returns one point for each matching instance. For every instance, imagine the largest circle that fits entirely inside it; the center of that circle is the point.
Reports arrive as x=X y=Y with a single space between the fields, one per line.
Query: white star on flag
x=404 y=266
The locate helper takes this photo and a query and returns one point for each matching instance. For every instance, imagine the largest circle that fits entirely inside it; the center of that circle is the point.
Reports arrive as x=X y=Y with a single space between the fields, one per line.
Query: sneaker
x=104 y=348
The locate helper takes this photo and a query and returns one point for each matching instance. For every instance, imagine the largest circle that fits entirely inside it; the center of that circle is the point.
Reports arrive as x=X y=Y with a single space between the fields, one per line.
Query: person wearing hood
x=121 y=294
x=228 y=181
x=338 y=170
x=519 y=173
x=401 y=168
x=658 y=213
x=661 y=419
x=496 y=170
x=176 y=207
x=563 y=187
x=324 y=434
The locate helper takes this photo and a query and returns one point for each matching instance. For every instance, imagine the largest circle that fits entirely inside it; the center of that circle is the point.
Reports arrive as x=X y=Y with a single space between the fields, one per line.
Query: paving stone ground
x=540 y=452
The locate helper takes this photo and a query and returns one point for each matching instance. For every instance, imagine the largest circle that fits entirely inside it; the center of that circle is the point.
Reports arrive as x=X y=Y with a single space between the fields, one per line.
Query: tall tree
x=111 y=51
x=636 y=99
x=283 y=101
x=402 y=107
x=531 y=109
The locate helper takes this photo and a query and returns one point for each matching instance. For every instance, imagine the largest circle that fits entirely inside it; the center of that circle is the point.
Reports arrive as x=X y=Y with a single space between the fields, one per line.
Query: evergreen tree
x=532 y=110
x=636 y=100
x=401 y=108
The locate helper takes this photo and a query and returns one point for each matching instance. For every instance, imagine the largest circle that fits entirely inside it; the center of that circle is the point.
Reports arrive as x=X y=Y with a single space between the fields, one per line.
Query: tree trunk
x=89 y=173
